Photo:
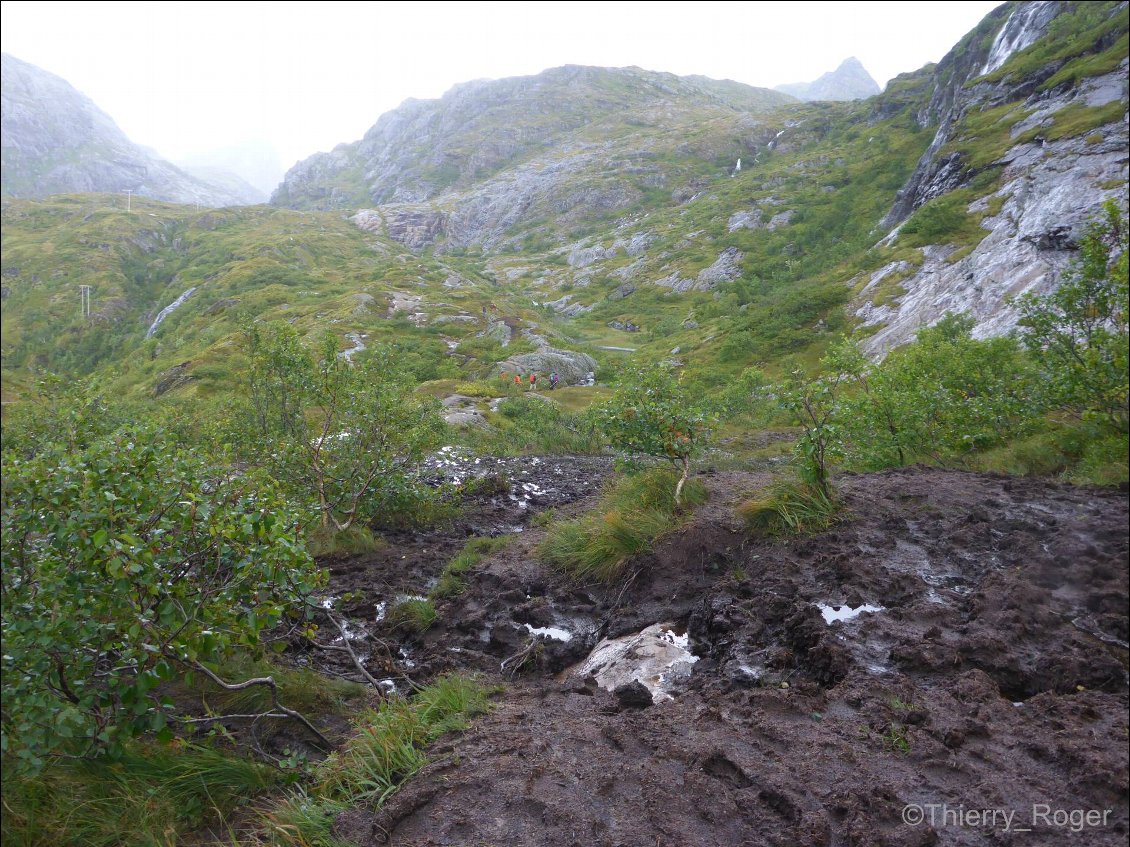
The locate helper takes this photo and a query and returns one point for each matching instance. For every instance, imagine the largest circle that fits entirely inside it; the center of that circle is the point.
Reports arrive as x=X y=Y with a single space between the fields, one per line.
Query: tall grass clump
x=790 y=508
x=387 y=750
x=633 y=513
x=147 y=797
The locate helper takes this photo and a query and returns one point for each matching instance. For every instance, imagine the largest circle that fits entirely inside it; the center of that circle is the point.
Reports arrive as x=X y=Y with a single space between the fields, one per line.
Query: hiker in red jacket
x=533 y=382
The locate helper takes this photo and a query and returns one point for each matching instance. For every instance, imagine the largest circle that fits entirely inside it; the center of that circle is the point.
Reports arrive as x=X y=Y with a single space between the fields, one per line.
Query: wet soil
x=972 y=682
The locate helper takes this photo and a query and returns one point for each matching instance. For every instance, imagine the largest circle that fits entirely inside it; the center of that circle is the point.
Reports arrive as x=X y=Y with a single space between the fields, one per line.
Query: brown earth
x=992 y=681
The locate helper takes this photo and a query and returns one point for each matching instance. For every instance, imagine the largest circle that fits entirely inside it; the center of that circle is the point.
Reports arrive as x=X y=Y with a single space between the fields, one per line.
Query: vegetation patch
x=452 y=580
x=636 y=511
x=791 y=508
x=387 y=750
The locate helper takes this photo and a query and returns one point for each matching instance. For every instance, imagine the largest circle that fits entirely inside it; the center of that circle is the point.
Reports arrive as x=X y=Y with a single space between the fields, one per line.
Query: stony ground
x=972 y=682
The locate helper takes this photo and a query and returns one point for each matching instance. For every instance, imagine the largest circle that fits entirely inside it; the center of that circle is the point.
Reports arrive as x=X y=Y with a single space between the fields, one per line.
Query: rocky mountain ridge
x=850 y=81
x=55 y=140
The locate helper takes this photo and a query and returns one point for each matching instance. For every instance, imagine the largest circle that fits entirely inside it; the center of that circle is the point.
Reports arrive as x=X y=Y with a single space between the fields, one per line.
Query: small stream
x=168 y=310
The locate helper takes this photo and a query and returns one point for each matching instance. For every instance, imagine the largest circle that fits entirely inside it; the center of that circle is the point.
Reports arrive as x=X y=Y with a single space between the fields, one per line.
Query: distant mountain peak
x=55 y=140
x=850 y=81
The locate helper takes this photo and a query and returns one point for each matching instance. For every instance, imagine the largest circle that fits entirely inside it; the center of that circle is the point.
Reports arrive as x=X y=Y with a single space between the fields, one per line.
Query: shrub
x=126 y=566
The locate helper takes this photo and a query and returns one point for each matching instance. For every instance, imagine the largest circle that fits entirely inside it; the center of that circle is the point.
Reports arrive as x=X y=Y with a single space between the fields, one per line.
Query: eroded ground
x=958 y=643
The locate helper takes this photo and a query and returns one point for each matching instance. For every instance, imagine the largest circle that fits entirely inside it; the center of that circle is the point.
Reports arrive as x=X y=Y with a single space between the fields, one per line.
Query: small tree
x=654 y=414
x=812 y=402
x=343 y=435
x=125 y=566
x=1080 y=331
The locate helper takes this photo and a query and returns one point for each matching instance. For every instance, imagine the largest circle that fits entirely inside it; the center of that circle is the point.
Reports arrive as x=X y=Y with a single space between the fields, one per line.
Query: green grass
x=452 y=581
x=633 y=514
x=387 y=750
x=790 y=508
x=148 y=798
x=414 y=615
x=301 y=689
x=327 y=541
x=1080 y=452
x=532 y=423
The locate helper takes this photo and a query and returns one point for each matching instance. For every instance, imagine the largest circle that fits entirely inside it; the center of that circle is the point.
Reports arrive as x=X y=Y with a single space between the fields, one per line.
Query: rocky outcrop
x=573 y=368
x=54 y=140
x=1050 y=191
x=955 y=94
x=850 y=81
x=1037 y=195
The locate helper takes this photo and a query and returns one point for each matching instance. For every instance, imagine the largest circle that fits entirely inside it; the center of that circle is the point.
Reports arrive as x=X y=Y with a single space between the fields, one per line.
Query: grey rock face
x=489 y=156
x=1050 y=191
x=621 y=291
x=955 y=93
x=54 y=140
x=725 y=268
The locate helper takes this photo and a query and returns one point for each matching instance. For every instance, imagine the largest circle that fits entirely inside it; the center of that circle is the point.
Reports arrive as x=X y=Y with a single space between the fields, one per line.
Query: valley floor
x=986 y=694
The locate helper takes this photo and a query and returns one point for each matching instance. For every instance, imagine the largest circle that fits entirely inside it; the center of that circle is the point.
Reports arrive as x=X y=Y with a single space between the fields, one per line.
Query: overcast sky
x=189 y=77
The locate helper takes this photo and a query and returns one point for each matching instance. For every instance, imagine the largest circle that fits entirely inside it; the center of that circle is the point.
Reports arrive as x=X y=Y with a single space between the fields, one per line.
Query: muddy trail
x=947 y=665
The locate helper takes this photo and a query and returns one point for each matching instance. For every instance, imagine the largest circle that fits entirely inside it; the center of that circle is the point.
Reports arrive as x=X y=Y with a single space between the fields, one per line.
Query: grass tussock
x=790 y=508
x=144 y=799
x=452 y=580
x=635 y=512
x=387 y=750
x=415 y=615
x=327 y=541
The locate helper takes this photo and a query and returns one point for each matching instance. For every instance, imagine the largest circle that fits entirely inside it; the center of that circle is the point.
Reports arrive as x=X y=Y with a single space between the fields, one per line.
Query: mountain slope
x=1030 y=118
x=55 y=140
x=477 y=130
x=850 y=81
x=612 y=217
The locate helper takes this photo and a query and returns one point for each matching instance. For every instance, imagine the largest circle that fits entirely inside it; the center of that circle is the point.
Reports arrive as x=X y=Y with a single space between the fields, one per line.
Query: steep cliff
x=57 y=141
x=1030 y=138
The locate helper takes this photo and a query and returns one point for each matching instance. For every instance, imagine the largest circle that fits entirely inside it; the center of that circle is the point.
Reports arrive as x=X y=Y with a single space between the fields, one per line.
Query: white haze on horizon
x=190 y=78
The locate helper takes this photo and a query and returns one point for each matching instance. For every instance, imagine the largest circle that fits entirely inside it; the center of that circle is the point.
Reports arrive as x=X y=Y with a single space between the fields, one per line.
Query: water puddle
x=554 y=632
x=845 y=613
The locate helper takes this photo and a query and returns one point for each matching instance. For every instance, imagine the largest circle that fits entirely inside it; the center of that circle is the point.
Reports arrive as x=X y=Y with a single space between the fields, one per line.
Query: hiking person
x=553 y=380
x=533 y=382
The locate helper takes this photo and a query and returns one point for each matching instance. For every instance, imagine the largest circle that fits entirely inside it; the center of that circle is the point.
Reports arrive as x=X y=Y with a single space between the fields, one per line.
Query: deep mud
x=976 y=662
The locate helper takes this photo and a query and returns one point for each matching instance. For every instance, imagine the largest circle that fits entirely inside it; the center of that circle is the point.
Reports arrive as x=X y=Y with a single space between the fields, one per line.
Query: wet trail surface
x=958 y=641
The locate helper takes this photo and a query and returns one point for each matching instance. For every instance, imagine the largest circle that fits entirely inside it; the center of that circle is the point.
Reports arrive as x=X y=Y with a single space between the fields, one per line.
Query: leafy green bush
x=654 y=414
x=128 y=565
x=344 y=437
x=938 y=400
x=1080 y=333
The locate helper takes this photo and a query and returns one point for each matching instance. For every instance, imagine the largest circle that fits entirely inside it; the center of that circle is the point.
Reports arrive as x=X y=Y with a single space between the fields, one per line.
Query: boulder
x=573 y=368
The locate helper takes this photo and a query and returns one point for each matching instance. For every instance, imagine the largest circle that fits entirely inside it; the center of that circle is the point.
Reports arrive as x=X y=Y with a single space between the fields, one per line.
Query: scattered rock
x=632 y=695
x=621 y=291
